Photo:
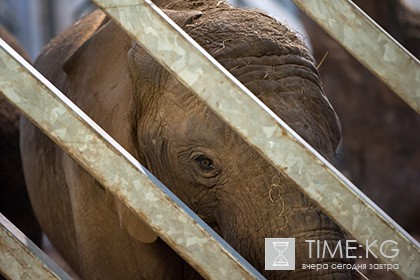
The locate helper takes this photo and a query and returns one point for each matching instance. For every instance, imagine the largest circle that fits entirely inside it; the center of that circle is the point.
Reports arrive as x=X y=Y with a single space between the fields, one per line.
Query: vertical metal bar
x=279 y=144
x=369 y=44
x=22 y=259
x=120 y=173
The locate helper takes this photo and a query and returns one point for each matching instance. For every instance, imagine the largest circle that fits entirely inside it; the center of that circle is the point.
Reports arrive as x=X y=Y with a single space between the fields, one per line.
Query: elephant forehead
x=276 y=65
x=192 y=121
x=240 y=32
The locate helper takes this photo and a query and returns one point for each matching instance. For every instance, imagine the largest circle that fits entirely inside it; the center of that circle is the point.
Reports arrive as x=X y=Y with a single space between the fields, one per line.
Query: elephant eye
x=204 y=162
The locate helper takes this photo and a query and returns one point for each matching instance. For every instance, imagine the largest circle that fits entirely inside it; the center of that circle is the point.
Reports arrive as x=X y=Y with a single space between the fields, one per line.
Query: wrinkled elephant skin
x=182 y=142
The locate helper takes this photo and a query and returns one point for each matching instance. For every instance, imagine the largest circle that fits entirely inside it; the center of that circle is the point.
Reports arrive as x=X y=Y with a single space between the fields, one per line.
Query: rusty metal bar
x=118 y=171
x=278 y=143
x=22 y=259
x=369 y=44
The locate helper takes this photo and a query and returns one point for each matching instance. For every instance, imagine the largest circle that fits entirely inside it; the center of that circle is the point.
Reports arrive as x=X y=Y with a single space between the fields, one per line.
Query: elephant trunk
x=316 y=256
x=282 y=211
x=288 y=83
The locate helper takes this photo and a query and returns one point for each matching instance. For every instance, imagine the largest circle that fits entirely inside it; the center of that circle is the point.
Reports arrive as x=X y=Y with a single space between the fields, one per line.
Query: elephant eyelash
x=204 y=163
x=204 y=166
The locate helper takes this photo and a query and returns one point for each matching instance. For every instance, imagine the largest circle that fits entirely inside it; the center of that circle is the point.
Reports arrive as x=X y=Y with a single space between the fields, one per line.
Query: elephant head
x=173 y=134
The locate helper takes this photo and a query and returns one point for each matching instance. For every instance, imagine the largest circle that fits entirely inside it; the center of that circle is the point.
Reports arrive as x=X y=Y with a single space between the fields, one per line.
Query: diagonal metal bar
x=20 y=258
x=268 y=134
x=118 y=171
x=369 y=44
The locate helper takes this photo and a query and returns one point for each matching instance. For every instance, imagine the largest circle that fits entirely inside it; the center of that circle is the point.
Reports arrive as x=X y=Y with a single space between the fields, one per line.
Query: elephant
x=183 y=142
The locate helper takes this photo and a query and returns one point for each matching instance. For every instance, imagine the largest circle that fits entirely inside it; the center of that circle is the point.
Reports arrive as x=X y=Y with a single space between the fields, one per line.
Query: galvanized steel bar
x=369 y=44
x=288 y=152
x=118 y=171
x=22 y=259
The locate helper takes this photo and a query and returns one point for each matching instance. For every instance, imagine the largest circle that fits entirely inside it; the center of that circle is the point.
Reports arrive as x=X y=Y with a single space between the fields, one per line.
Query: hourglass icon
x=280 y=248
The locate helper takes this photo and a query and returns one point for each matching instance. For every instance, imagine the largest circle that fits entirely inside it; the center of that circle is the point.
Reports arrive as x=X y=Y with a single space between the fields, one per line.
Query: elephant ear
x=99 y=82
x=131 y=224
x=145 y=71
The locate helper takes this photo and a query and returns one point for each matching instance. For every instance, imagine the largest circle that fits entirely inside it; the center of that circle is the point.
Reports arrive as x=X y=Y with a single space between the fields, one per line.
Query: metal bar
x=369 y=44
x=22 y=259
x=118 y=171
x=267 y=133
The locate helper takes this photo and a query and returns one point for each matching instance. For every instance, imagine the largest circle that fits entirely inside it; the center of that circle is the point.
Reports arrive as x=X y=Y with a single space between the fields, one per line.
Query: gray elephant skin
x=161 y=123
